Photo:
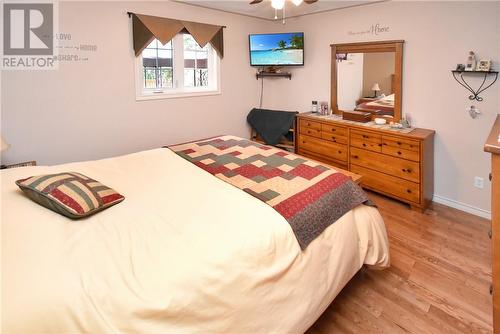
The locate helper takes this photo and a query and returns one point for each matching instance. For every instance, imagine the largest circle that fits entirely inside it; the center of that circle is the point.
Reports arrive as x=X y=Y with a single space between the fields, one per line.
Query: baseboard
x=462 y=206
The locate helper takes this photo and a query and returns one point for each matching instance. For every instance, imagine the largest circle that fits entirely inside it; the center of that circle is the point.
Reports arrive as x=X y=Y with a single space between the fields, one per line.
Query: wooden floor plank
x=438 y=281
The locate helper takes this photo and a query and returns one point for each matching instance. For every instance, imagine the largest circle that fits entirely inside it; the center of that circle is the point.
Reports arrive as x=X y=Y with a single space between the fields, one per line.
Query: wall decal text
x=374 y=29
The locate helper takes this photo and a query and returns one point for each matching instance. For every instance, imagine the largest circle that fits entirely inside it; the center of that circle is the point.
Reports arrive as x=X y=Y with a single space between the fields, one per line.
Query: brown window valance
x=146 y=28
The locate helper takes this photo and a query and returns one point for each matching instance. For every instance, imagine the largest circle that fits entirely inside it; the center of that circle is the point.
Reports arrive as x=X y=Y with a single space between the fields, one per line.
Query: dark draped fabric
x=271 y=125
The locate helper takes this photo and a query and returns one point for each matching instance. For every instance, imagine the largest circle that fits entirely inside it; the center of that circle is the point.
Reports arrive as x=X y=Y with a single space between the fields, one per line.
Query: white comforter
x=184 y=253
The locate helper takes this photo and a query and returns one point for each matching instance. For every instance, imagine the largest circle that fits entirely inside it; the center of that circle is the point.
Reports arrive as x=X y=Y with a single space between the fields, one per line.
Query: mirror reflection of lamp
x=376 y=89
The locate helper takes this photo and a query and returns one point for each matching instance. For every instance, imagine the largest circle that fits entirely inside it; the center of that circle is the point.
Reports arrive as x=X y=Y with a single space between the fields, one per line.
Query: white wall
x=87 y=110
x=438 y=35
x=350 y=81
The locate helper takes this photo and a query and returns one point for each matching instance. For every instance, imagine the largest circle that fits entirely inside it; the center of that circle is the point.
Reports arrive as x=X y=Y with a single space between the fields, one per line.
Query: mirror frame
x=395 y=46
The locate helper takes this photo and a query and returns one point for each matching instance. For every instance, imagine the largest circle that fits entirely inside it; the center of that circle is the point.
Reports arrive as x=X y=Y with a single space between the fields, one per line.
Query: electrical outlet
x=478 y=182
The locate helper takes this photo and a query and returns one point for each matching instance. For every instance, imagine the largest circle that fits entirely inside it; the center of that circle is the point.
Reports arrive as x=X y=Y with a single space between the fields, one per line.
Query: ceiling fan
x=280 y=5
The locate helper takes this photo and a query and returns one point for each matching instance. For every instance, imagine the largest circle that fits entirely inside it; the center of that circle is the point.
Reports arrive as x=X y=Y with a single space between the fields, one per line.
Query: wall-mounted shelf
x=459 y=77
x=273 y=74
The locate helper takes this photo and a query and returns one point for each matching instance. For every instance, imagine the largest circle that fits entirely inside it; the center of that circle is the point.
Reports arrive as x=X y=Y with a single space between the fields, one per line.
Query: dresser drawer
x=401 y=153
x=367 y=145
x=406 y=144
x=318 y=146
x=390 y=185
x=366 y=136
x=310 y=132
x=310 y=128
x=322 y=158
x=309 y=124
x=333 y=137
x=333 y=129
x=397 y=167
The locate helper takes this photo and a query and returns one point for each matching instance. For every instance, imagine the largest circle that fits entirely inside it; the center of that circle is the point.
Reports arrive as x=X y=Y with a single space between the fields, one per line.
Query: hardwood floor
x=438 y=282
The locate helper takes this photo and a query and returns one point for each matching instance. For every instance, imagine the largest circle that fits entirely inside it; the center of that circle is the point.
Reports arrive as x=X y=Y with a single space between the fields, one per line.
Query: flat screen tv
x=285 y=49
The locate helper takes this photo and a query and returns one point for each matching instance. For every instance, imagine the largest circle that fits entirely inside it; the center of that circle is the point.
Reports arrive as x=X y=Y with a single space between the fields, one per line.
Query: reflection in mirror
x=365 y=82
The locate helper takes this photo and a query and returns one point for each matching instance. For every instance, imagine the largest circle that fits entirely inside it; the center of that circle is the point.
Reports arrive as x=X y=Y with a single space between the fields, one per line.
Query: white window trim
x=169 y=93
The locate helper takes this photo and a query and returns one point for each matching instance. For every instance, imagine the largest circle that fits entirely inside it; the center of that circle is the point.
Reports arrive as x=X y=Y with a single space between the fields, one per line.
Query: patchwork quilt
x=308 y=194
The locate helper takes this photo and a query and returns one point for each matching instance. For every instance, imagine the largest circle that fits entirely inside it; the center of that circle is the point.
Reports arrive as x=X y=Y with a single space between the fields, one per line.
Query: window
x=157 y=65
x=179 y=68
x=195 y=63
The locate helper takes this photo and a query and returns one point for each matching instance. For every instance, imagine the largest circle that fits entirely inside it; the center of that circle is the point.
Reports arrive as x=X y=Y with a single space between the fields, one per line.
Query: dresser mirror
x=367 y=77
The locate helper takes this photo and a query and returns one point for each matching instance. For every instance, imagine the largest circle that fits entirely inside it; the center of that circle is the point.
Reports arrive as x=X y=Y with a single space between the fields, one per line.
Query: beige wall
x=87 y=110
x=438 y=35
x=378 y=68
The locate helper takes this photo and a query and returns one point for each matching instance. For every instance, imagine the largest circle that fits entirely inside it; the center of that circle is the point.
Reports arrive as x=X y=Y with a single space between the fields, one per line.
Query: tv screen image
x=277 y=49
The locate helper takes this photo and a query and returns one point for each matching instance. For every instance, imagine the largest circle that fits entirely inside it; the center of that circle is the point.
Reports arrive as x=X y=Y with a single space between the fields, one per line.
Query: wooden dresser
x=492 y=146
x=395 y=164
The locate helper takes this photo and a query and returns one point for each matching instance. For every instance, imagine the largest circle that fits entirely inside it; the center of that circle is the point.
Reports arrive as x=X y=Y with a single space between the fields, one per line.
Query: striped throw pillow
x=71 y=194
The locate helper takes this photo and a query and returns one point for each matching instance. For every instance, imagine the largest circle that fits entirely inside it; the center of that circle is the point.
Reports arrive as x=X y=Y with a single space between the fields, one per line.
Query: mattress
x=184 y=253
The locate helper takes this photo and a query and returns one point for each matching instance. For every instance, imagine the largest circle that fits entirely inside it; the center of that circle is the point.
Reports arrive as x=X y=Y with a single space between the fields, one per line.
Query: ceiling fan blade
x=310 y=1
x=255 y=2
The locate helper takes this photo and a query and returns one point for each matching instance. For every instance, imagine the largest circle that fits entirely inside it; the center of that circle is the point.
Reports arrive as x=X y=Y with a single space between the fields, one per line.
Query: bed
x=380 y=106
x=185 y=252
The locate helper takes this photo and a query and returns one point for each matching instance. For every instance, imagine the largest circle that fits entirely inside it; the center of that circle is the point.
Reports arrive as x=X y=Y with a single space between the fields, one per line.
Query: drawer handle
x=406 y=170
x=364 y=145
x=380 y=145
x=333 y=138
x=334 y=129
x=399 y=143
x=408 y=191
x=365 y=136
x=399 y=152
x=355 y=156
x=340 y=151
x=303 y=142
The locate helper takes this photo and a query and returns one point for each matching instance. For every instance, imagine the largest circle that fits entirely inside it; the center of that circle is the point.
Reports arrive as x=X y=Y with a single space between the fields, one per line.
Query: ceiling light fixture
x=281 y=4
x=278 y=4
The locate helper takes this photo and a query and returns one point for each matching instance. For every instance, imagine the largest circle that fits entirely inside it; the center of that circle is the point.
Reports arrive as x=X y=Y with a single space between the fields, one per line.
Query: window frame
x=178 y=91
x=157 y=69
